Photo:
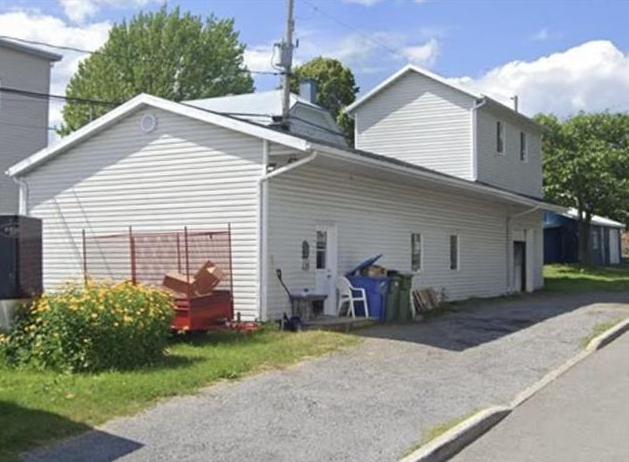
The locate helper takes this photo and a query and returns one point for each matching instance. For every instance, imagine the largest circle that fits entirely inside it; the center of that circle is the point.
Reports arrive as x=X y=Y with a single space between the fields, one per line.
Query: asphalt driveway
x=370 y=403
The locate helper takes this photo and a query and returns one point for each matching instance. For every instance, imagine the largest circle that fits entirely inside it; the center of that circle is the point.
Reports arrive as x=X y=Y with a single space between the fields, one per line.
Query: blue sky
x=559 y=56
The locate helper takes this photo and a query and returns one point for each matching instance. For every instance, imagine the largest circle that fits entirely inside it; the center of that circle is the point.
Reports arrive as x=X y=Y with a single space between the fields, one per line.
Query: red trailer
x=195 y=267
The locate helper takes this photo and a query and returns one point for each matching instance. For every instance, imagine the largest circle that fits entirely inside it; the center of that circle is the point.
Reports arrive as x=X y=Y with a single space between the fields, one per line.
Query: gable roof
x=479 y=97
x=297 y=142
x=4 y=43
x=143 y=99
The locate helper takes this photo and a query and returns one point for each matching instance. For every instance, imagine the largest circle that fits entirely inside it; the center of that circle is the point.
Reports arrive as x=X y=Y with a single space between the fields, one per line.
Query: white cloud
x=541 y=35
x=80 y=10
x=376 y=51
x=258 y=58
x=423 y=55
x=33 y=25
x=593 y=76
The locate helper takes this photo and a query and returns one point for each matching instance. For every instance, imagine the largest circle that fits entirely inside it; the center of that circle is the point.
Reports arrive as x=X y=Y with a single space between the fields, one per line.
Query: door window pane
x=322 y=249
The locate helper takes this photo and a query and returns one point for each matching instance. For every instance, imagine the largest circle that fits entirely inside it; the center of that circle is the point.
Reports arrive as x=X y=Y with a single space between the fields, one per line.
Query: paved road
x=581 y=417
x=368 y=404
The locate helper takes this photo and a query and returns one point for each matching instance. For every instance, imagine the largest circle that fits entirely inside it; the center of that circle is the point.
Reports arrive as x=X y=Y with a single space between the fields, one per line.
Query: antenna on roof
x=516 y=101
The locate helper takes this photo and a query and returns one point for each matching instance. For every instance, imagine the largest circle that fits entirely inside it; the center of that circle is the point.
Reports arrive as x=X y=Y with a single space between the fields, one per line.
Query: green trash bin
x=393 y=297
x=404 y=298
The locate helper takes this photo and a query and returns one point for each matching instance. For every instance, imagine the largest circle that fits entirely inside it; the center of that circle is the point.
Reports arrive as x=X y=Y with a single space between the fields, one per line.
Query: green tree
x=171 y=55
x=586 y=166
x=336 y=89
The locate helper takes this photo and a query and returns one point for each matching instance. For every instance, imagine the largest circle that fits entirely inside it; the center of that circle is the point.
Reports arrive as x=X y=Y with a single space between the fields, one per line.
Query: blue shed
x=561 y=239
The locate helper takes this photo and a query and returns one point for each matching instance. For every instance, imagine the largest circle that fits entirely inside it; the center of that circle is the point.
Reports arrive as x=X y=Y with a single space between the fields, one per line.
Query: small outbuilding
x=561 y=239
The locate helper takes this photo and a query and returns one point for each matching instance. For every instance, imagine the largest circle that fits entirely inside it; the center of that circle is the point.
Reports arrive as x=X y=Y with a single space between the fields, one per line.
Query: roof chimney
x=516 y=101
x=308 y=90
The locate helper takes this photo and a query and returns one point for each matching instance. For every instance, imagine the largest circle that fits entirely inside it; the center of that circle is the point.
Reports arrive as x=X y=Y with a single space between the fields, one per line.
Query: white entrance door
x=326 y=265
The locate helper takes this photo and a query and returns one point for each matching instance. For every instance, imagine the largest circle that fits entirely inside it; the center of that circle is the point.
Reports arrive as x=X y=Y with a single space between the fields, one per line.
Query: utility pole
x=286 y=48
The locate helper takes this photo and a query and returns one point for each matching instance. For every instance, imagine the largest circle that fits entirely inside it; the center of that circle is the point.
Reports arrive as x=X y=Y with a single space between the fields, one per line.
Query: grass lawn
x=37 y=407
x=577 y=278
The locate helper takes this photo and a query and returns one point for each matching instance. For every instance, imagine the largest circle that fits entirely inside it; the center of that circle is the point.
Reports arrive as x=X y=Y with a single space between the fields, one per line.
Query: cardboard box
x=376 y=270
x=178 y=282
x=207 y=278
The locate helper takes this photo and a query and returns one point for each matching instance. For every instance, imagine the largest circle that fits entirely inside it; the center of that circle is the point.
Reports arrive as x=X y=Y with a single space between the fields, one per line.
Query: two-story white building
x=23 y=116
x=444 y=183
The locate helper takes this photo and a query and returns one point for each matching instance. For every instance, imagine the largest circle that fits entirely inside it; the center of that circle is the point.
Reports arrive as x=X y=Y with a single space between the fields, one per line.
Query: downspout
x=509 y=248
x=23 y=197
x=263 y=195
x=477 y=105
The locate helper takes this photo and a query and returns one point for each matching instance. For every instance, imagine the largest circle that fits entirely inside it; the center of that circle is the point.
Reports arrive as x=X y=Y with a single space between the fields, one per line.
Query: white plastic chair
x=347 y=294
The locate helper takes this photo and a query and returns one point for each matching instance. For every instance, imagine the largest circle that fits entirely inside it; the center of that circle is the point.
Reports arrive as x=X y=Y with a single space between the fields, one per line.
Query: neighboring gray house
x=23 y=119
x=197 y=167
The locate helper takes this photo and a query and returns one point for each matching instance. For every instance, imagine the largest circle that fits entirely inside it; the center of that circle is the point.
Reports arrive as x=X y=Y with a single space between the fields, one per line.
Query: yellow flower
x=94 y=315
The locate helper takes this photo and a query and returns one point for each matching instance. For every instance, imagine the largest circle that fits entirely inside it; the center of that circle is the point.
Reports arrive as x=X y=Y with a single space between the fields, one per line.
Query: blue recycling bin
x=376 y=289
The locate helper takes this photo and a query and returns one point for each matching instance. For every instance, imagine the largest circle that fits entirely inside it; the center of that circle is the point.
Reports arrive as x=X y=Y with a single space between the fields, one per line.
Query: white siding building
x=278 y=190
x=420 y=117
x=23 y=118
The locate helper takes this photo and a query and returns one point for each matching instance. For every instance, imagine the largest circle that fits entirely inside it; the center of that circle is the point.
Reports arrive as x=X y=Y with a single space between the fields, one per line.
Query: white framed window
x=524 y=147
x=500 y=137
x=454 y=252
x=416 y=252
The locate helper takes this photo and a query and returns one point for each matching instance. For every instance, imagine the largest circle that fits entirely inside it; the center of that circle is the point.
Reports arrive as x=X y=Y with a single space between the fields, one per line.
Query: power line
x=358 y=31
x=34 y=94
x=90 y=52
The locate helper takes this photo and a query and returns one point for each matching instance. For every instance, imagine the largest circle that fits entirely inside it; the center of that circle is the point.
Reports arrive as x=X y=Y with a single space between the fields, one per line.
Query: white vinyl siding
x=420 y=121
x=23 y=120
x=506 y=170
x=185 y=172
x=375 y=217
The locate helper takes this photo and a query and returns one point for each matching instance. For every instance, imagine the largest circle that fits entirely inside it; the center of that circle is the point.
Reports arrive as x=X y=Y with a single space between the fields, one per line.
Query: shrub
x=91 y=327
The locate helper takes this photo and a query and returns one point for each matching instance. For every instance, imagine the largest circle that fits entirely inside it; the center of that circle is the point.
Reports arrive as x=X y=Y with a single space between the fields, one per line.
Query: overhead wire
x=85 y=51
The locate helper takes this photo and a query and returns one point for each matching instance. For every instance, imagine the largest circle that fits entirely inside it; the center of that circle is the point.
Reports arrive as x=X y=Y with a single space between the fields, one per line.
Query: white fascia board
x=458 y=183
x=409 y=68
x=143 y=99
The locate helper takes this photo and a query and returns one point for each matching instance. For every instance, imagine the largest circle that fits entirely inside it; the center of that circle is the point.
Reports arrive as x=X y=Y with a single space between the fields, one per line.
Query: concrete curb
x=457 y=438
x=454 y=440
x=608 y=336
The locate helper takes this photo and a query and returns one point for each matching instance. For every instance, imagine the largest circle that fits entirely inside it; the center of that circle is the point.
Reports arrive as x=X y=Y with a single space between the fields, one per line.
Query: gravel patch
x=370 y=403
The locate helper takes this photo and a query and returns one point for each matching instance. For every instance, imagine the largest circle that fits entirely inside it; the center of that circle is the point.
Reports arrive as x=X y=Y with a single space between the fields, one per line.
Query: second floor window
x=523 y=146
x=500 y=137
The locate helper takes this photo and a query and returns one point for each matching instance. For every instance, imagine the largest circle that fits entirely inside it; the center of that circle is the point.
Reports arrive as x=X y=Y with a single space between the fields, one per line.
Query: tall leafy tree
x=586 y=166
x=336 y=88
x=168 y=54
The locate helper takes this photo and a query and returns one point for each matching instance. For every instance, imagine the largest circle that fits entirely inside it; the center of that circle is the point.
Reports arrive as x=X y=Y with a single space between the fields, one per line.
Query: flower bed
x=91 y=327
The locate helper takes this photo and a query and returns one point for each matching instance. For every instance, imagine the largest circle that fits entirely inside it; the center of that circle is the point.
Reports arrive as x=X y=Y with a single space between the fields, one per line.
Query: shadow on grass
x=22 y=428
x=462 y=325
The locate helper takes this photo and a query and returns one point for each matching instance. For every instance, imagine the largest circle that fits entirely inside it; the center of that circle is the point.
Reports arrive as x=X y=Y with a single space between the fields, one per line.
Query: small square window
x=416 y=252
x=454 y=252
x=523 y=147
x=500 y=137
